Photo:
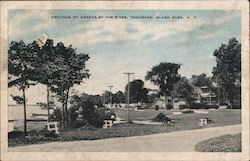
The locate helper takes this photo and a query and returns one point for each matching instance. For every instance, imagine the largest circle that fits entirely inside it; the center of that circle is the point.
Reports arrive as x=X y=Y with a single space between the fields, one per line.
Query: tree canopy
x=119 y=97
x=183 y=89
x=201 y=80
x=227 y=72
x=164 y=75
x=137 y=92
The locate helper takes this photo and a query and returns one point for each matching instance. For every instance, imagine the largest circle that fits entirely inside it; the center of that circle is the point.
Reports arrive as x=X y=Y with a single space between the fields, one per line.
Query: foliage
x=57 y=114
x=137 y=92
x=18 y=99
x=187 y=111
x=72 y=70
x=169 y=107
x=107 y=96
x=161 y=117
x=183 y=89
x=32 y=137
x=152 y=97
x=157 y=107
x=201 y=80
x=227 y=72
x=119 y=97
x=95 y=99
x=202 y=106
x=181 y=106
x=84 y=105
x=164 y=75
x=21 y=60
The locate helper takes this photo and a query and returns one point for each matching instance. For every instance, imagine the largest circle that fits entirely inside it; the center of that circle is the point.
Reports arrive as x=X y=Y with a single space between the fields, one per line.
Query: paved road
x=180 y=141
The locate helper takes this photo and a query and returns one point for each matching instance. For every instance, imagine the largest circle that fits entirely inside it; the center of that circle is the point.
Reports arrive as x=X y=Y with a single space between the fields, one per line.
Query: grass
x=225 y=143
x=187 y=121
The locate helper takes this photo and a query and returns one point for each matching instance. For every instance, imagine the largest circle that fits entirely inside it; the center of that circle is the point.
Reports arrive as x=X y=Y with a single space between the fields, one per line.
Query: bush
x=188 y=111
x=203 y=106
x=169 y=107
x=57 y=115
x=33 y=137
x=183 y=106
x=15 y=134
x=87 y=127
x=161 y=118
x=90 y=113
x=101 y=114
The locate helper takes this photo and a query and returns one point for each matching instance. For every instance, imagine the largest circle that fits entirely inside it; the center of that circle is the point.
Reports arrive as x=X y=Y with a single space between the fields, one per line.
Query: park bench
x=107 y=124
x=204 y=121
x=52 y=126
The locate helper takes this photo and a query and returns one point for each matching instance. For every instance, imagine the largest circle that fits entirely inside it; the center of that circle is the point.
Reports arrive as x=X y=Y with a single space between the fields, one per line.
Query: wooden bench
x=52 y=126
x=107 y=124
x=203 y=121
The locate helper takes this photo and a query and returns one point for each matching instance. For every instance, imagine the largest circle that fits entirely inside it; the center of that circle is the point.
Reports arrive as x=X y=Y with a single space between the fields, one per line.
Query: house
x=205 y=95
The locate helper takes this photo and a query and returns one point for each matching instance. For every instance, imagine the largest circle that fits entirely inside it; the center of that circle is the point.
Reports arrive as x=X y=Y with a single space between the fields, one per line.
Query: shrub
x=87 y=127
x=188 y=111
x=202 y=106
x=101 y=114
x=161 y=117
x=33 y=137
x=57 y=114
x=157 y=107
x=90 y=114
x=15 y=134
x=182 y=107
x=169 y=107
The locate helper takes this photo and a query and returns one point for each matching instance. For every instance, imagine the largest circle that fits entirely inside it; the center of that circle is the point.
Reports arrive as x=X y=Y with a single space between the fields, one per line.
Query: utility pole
x=104 y=99
x=128 y=74
x=110 y=87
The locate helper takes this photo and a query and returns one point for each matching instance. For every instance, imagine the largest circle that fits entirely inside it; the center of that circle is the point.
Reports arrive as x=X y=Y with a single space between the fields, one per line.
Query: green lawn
x=220 y=117
x=180 y=122
x=225 y=143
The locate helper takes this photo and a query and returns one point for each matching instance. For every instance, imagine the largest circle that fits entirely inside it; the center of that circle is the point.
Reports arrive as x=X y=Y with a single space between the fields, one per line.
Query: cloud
x=119 y=30
x=209 y=35
x=36 y=19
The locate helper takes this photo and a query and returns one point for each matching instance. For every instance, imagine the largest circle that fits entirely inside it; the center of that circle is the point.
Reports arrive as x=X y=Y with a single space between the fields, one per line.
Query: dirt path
x=180 y=141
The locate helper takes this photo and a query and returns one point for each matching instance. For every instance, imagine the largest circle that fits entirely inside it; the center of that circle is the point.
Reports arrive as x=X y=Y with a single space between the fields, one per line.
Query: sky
x=132 y=44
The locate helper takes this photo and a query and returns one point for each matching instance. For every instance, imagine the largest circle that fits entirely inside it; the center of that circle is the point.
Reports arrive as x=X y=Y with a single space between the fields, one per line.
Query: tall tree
x=137 y=92
x=46 y=67
x=227 y=72
x=20 y=68
x=164 y=75
x=201 y=80
x=72 y=71
x=183 y=90
x=119 y=97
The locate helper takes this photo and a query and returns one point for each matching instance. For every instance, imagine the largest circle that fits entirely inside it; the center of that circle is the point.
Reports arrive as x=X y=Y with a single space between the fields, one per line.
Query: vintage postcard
x=144 y=80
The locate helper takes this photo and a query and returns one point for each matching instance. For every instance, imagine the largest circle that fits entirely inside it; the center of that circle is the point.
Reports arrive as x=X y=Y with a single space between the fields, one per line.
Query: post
x=128 y=93
x=110 y=97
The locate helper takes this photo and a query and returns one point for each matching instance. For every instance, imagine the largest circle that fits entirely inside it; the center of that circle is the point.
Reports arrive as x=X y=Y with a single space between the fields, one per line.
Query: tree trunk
x=24 y=111
x=63 y=114
x=48 y=102
x=66 y=106
x=165 y=101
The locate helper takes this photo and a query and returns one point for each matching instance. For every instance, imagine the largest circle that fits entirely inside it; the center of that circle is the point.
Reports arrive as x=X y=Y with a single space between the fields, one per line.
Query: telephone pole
x=128 y=74
x=104 y=98
x=110 y=87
